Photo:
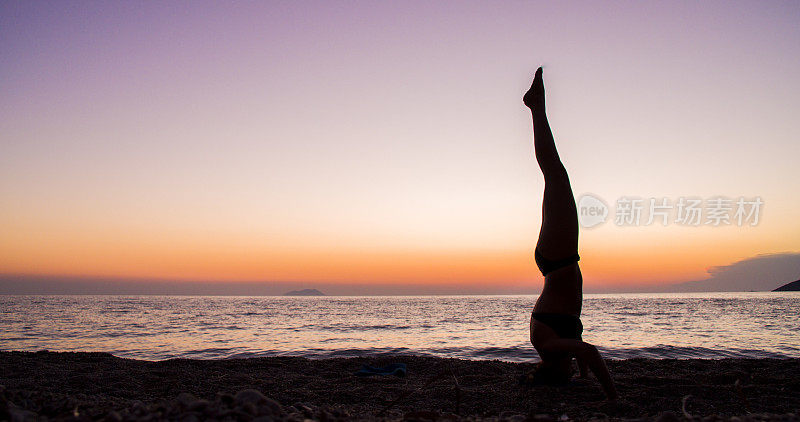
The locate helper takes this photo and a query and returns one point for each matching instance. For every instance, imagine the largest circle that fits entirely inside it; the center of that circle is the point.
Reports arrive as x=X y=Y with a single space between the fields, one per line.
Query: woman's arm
x=583 y=368
x=590 y=356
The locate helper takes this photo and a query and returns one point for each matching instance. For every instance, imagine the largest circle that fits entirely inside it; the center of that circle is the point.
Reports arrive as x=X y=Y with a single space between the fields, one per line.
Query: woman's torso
x=562 y=292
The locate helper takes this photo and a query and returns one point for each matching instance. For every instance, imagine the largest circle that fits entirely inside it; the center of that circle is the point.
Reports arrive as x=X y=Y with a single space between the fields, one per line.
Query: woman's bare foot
x=534 y=98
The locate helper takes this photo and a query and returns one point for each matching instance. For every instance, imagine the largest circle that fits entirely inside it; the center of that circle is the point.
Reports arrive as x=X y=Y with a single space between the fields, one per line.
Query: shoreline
x=99 y=386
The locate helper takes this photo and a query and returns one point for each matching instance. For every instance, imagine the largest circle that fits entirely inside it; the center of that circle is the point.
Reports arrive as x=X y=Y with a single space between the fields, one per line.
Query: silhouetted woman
x=555 y=323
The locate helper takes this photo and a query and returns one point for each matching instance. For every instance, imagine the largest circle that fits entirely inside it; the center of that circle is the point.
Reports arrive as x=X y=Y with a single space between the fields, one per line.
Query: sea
x=622 y=326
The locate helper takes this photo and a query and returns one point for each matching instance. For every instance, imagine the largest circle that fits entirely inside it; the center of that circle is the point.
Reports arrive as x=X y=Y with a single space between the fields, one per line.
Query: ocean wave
x=487 y=327
x=508 y=354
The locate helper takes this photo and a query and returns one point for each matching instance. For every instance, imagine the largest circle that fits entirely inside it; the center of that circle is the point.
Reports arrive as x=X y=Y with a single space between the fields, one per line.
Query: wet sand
x=98 y=386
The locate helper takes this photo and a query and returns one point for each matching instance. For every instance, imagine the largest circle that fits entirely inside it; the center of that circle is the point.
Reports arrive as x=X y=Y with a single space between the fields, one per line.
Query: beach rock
x=186 y=399
x=667 y=417
x=15 y=414
x=250 y=396
x=509 y=415
x=191 y=417
x=256 y=403
x=138 y=407
x=113 y=416
x=225 y=399
x=271 y=406
x=249 y=407
x=199 y=405
x=304 y=409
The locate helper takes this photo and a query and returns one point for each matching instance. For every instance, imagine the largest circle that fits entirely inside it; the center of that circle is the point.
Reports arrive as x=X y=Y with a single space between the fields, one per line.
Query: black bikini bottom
x=565 y=326
x=547 y=266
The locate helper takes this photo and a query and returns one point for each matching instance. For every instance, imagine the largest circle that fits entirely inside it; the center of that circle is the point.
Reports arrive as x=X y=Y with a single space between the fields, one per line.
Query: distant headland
x=304 y=292
x=789 y=287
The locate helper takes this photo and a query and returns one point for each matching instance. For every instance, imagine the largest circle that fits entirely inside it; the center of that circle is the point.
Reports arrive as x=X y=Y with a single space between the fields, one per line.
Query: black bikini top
x=547 y=266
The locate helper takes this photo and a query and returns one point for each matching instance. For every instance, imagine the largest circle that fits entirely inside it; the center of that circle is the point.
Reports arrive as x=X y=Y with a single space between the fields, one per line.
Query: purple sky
x=382 y=127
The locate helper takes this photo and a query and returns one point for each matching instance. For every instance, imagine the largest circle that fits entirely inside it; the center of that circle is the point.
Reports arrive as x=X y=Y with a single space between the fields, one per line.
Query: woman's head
x=552 y=372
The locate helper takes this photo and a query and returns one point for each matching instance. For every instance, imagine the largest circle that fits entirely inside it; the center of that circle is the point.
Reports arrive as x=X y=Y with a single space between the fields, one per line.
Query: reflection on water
x=708 y=325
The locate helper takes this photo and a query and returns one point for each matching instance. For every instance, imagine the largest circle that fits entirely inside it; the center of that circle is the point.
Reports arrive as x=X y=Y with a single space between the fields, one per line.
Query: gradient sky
x=378 y=143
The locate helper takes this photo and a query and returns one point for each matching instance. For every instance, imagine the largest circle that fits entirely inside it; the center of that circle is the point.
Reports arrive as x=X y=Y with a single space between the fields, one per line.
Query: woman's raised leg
x=558 y=236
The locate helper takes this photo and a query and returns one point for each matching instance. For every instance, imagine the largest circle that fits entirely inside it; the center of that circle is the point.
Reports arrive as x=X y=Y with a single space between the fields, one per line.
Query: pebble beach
x=98 y=386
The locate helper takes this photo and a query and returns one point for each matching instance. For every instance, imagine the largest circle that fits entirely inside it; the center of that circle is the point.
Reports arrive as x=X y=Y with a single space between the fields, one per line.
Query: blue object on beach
x=396 y=369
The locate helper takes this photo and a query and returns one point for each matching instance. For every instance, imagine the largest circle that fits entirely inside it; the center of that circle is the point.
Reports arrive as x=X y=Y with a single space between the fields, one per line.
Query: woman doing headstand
x=555 y=322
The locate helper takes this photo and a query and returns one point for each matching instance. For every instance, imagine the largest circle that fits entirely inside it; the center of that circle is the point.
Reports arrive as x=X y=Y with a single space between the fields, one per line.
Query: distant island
x=789 y=287
x=304 y=292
